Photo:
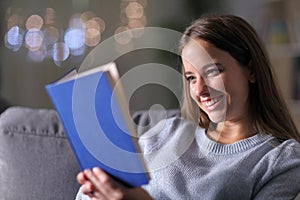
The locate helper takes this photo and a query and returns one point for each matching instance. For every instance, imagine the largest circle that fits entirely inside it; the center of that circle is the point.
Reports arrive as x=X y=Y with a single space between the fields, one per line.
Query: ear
x=252 y=76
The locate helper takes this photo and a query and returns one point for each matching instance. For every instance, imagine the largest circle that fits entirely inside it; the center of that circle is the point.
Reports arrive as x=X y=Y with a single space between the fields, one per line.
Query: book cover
x=92 y=111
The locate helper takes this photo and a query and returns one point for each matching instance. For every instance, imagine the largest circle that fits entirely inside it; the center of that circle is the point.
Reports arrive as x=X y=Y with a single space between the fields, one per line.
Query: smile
x=209 y=103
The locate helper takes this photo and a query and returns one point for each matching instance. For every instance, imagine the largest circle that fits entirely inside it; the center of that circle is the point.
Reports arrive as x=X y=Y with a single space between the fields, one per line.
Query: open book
x=95 y=115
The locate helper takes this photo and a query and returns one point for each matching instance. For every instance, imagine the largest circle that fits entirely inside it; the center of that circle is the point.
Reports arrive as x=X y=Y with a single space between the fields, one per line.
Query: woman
x=244 y=144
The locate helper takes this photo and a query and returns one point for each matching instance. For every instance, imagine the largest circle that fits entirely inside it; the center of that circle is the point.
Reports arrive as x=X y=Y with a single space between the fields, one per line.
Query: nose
x=199 y=87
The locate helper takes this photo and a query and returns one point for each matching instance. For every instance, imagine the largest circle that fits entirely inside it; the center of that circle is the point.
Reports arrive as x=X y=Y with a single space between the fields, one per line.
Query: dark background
x=22 y=81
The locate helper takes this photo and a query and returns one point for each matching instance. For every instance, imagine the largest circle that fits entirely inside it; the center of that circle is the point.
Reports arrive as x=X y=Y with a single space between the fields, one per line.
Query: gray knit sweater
x=185 y=164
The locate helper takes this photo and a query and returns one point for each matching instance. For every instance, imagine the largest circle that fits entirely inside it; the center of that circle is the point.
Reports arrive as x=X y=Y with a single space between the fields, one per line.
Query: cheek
x=217 y=84
x=238 y=92
x=193 y=94
x=193 y=90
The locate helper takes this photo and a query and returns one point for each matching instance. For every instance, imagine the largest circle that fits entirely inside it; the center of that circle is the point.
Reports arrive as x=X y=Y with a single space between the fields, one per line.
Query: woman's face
x=217 y=82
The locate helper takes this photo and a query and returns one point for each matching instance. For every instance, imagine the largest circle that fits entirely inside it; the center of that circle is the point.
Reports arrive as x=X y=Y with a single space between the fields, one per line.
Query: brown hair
x=237 y=37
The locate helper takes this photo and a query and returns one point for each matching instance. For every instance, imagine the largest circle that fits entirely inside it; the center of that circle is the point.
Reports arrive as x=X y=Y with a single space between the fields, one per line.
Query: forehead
x=198 y=53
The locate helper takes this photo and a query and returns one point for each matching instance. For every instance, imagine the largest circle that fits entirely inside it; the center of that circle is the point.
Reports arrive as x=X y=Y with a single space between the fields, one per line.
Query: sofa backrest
x=36 y=161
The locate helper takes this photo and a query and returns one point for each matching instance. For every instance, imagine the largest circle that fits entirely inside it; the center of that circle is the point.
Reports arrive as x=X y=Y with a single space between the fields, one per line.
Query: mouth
x=211 y=103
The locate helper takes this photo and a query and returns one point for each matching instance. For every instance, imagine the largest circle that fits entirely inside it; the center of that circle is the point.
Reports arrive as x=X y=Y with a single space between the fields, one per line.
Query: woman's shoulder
x=281 y=168
x=288 y=149
x=284 y=148
x=284 y=155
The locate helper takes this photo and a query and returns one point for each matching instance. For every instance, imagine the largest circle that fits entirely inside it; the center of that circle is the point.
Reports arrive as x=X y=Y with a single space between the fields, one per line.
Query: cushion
x=36 y=161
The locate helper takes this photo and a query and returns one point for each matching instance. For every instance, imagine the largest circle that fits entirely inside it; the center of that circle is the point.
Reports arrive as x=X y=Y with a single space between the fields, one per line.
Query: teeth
x=212 y=101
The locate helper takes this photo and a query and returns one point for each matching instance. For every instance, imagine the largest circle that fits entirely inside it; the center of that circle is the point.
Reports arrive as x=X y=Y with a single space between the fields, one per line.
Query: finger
x=81 y=179
x=109 y=186
x=103 y=183
x=87 y=188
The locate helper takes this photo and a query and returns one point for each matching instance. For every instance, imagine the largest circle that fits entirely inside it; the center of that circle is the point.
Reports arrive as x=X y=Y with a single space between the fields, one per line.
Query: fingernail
x=96 y=170
x=87 y=171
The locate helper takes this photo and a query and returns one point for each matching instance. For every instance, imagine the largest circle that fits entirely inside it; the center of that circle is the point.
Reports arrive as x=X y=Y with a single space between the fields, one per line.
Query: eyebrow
x=204 y=67
x=211 y=64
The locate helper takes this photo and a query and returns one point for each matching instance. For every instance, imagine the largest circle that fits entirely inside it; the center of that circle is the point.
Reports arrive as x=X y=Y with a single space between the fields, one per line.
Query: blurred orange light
x=92 y=24
x=101 y=23
x=34 y=21
x=92 y=37
x=134 y=10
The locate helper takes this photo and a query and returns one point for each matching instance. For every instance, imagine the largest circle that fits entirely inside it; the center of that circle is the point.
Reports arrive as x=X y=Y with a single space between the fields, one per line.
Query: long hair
x=237 y=37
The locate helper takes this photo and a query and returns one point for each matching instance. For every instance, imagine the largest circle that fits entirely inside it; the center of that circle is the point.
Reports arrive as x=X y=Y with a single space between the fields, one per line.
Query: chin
x=217 y=117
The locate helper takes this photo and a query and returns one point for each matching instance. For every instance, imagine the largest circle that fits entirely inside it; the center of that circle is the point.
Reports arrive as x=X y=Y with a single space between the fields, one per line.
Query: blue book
x=96 y=119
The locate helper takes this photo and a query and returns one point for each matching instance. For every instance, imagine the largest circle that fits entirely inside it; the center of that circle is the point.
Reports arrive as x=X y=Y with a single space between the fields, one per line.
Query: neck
x=229 y=132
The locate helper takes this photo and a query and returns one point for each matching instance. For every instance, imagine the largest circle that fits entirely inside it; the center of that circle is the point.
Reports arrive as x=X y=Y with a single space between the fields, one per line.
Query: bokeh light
x=14 y=39
x=74 y=38
x=34 y=39
x=60 y=52
x=133 y=18
x=92 y=37
x=44 y=37
x=92 y=24
x=134 y=10
x=101 y=23
x=34 y=22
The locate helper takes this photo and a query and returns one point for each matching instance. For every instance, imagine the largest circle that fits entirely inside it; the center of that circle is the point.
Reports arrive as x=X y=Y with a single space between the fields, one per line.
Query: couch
x=4 y=104
x=36 y=161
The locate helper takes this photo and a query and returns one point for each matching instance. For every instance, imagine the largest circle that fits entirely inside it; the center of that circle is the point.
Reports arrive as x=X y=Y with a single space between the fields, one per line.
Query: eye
x=211 y=72
x=190 y=78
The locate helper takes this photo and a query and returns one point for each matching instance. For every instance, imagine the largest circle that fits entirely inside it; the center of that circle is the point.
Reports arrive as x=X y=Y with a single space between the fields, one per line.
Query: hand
x=99 y=185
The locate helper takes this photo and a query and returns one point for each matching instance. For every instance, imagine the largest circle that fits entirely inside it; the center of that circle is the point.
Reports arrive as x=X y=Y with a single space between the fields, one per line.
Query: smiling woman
x=232 y=42
x=235 y=139
x=219 y=85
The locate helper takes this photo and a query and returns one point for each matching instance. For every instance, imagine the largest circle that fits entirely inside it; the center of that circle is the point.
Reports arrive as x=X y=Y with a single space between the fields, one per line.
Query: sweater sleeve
x=284 y=182
x=81 y=196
